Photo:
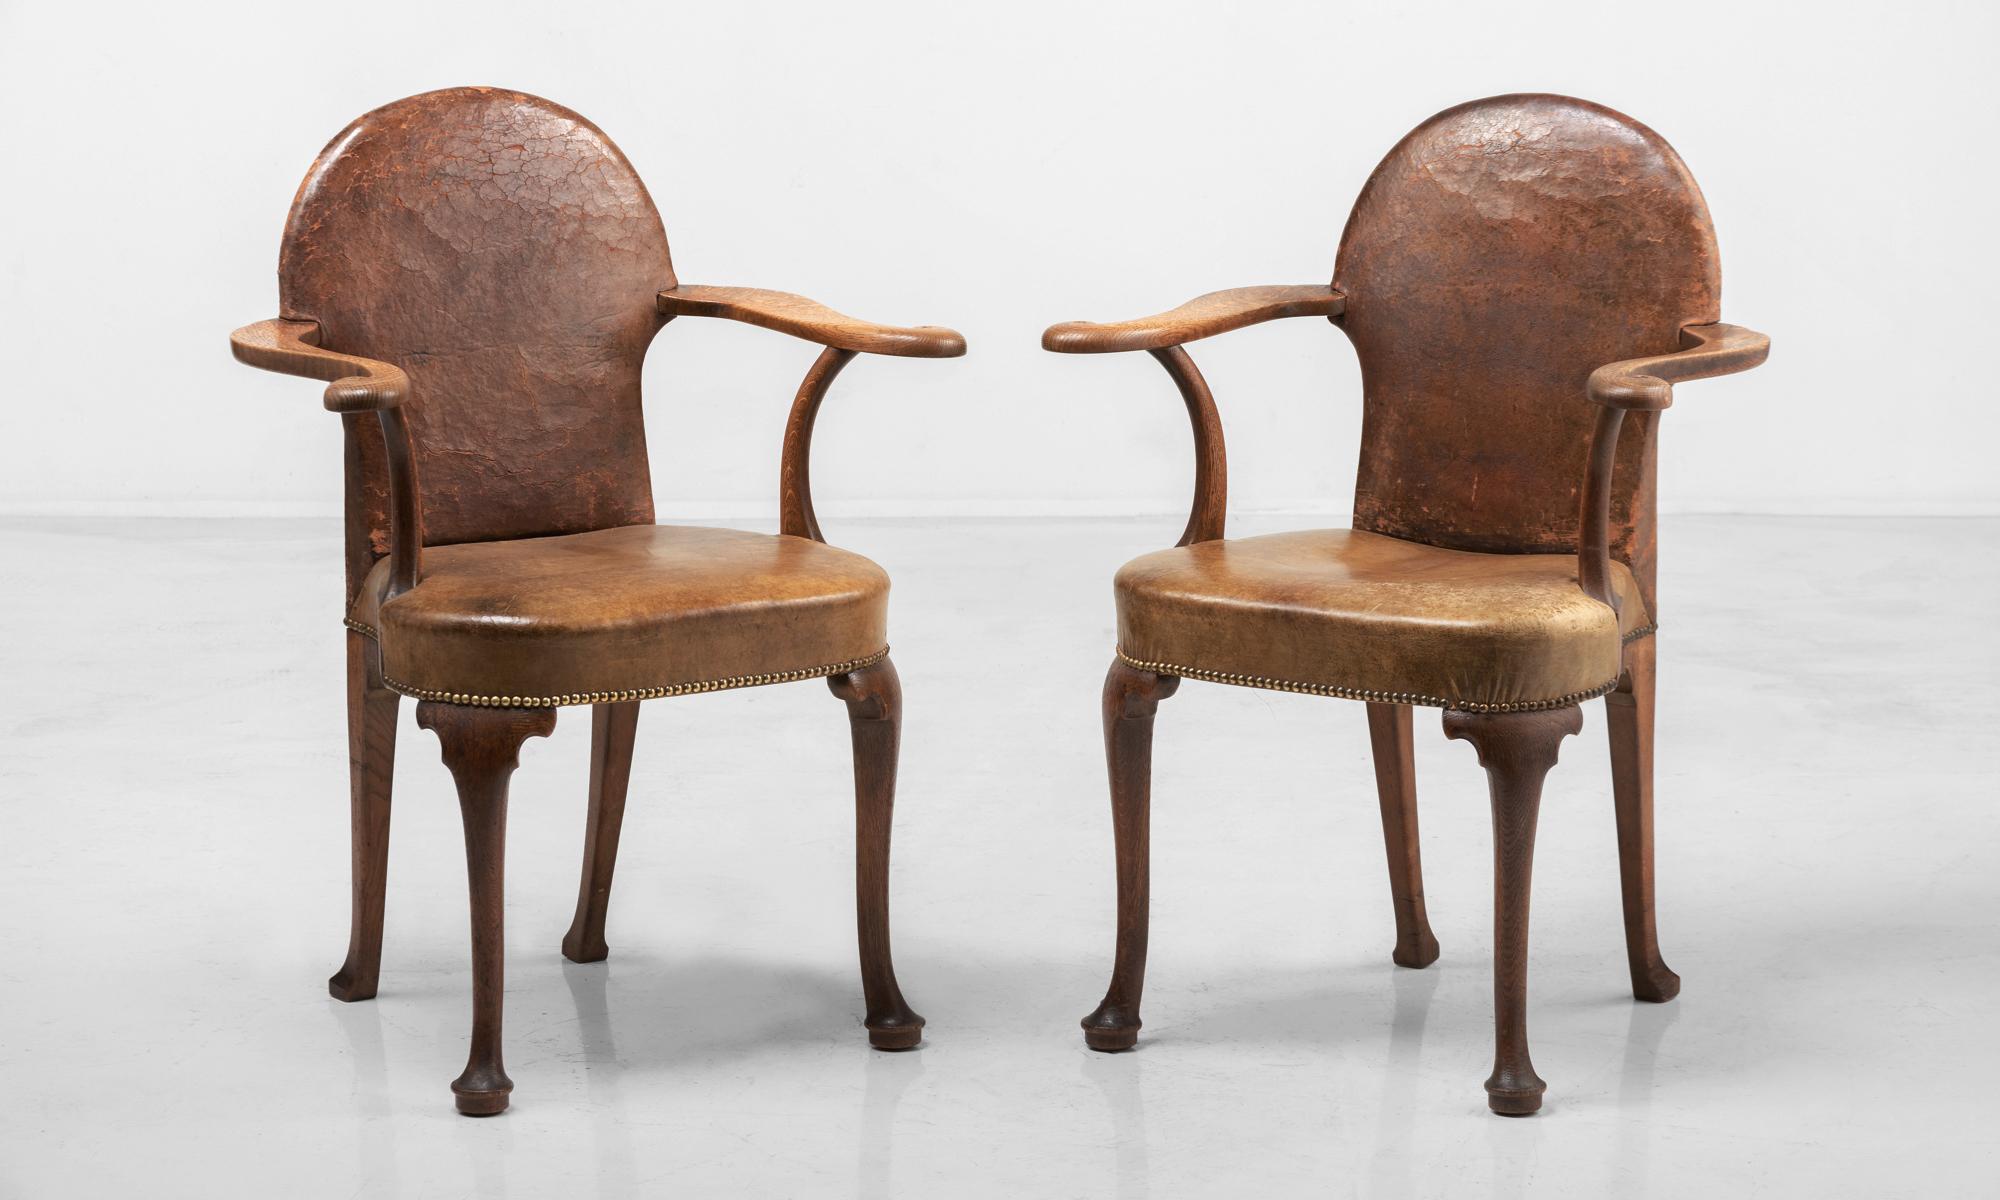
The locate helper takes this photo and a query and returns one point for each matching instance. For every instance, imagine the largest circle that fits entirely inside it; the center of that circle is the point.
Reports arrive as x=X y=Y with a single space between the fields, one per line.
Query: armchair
x=1501 y=562
x=477 y=275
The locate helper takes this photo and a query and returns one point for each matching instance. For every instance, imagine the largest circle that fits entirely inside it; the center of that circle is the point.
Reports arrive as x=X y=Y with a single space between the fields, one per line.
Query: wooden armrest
x=811 y=320
x=356 y=385
x=292 y=348
x=1647 y=384
x=1203 y=316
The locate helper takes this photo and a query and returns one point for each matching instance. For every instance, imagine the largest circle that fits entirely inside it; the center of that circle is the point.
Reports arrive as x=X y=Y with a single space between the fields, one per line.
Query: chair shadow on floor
x=1307 y=1005
x=717 y=1007
x=701 y=1009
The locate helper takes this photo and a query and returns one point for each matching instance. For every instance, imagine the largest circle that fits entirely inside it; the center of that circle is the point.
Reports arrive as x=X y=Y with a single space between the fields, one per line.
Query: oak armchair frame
x=480 y=736
x=1516 y=748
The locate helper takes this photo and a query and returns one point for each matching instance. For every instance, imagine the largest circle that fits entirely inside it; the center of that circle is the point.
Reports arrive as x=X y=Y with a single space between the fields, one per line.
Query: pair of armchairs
x=477 y=274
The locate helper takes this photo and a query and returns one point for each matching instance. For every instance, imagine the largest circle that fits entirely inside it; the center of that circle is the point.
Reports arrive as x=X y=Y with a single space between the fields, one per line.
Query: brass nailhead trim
x=1373 y=697
x=656 y=693
x=360 y=627
x=1636 y=634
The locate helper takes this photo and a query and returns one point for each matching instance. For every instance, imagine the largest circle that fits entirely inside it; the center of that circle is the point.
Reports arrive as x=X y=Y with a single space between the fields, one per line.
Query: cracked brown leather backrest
x=500 y=250
x=1501 y=252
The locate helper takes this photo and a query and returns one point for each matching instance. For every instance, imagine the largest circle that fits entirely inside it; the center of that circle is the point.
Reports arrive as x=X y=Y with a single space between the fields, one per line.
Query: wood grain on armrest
x=1646 y=384
x=355 y=386
x=1203 y=316
x=291 y=348
x=811 y=320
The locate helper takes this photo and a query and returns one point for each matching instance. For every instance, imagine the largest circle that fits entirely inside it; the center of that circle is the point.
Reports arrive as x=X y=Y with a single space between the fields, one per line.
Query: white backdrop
x=996 y=168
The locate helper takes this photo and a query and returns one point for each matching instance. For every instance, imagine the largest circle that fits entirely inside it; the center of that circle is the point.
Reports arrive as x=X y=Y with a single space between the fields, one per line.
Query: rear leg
x=1396 y=785
x=1630 y=716
x=613 y=730
x=371 y=764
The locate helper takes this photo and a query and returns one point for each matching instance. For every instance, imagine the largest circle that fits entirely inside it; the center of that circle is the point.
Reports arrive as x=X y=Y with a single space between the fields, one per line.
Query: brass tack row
x=1373 y=697
x=1256 y=681
x=656 y=693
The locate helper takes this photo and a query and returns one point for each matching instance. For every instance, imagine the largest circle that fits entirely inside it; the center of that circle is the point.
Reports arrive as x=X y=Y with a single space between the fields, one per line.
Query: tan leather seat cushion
x=1375 y=618
x=583 y=617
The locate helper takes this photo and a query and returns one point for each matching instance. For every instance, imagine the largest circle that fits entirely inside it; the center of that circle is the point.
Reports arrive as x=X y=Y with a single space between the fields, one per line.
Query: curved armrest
x=1645 y=385
x=355 y=386
x=811 y=320
x=292 y=348
x=1203 y=316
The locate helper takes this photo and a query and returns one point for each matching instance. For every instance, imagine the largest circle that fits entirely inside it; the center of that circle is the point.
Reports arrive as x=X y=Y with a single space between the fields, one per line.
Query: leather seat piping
x=654 y=693
x=1376 y=697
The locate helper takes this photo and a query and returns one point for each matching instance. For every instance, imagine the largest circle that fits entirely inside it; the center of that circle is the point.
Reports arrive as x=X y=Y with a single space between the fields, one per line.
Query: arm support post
x=842 y=336
x=1645 y=385
x=1211 y=462
x=795 y=502
x=1165 y=336
x=354 y=385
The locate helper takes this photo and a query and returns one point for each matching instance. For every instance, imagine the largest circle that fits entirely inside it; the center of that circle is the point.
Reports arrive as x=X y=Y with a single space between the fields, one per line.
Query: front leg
x=874 y=697
x=1517 y=750
x=482 y=747
x=1131 y=697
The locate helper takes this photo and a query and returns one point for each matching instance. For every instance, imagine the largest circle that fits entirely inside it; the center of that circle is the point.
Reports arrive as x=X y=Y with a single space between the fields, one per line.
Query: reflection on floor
x=172 y=896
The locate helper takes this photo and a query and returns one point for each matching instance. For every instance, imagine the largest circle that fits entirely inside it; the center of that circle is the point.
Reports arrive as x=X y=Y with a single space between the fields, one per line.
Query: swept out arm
x=842 y=335
x=1646 y=385
x=292 y=348
x=1201 y=317
x=354 y=385
x=1164 y=337
x=811 y=320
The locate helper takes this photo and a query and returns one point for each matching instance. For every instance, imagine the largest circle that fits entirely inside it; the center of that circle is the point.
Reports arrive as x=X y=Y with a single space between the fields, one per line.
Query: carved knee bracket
x=1517 y=750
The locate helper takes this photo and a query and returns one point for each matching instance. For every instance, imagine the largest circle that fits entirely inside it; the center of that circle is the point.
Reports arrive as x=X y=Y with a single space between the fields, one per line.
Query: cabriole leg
x=482 y=748
x=1517 y=750
x=1131 y=697
x=874 y=697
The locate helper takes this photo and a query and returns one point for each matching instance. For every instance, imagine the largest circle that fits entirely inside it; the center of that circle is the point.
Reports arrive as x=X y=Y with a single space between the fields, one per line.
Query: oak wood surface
x=795 y=504
x=1131 y=699
x=1629 y=719
x=1209 y=513
x=356 y=386
x=1518 y=275
x=482 y=747
x=614 y=730
x=1644 y=385
x=811 y=320
x=1392 y=741
x=478 y=274
x=371 y=766
x=1202 y=317
x=1517 y=750
x=874 y=698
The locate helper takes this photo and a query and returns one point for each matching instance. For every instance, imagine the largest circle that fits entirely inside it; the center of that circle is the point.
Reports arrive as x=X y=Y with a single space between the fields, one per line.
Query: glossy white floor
x=173 y=894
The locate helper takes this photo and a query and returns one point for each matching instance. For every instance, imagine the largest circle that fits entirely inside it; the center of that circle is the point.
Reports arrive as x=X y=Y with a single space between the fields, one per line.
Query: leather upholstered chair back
x=502 y=252
x=1500 y=253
